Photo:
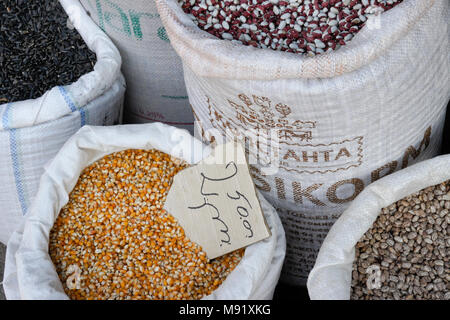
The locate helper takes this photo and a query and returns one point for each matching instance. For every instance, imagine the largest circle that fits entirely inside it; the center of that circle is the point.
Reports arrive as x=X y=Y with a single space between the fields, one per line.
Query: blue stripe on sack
x=83 y=117
x=72 y=105
x=67 y=99
x=15 y=158
x=5 y=117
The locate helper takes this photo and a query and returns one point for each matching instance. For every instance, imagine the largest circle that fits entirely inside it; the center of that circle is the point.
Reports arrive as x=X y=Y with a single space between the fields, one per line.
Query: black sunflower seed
x=37 y=49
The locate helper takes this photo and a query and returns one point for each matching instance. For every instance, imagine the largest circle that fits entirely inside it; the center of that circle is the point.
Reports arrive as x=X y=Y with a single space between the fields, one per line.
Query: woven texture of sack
x=153 y=71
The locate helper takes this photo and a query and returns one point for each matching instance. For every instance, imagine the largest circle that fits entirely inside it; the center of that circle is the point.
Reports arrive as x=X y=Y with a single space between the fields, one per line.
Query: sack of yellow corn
x=97 y=228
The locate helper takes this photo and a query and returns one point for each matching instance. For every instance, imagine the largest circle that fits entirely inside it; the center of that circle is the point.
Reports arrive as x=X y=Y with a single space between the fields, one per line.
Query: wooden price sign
x=215 y=202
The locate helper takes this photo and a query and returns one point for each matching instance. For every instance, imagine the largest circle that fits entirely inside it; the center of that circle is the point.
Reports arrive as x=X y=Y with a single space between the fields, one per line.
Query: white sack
x=32 y=131
x=153 y=71
x=341 y=119
x=332 y=274
x=29 y=272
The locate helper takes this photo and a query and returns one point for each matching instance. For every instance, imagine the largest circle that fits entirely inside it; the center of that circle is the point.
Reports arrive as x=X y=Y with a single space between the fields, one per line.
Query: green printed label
x=175 y=97
x=127 y=22
x=162 y=34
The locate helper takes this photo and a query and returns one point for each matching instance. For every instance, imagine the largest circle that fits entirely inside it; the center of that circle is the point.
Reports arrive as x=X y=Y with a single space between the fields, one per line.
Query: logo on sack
x=273 y=135
x=112 y=16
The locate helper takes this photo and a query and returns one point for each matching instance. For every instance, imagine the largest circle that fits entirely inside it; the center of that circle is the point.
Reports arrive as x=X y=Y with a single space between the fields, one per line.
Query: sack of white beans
x=32 y=131
x=29 y=269
x=398 y=263
x=153 y=71
x=320 y=126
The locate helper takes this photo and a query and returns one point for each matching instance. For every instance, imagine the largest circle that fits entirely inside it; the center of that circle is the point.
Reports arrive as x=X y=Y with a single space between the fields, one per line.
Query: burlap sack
x=29 y=271
x=33 y=131
x=331 y=276
x=328 y=125
x=154 y=73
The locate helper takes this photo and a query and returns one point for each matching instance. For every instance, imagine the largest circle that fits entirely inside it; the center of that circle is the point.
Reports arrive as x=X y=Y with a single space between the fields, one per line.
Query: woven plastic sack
x=32 y=131
x=332 y=274
x=153 y=71
x=29 y=272
x=321 y=129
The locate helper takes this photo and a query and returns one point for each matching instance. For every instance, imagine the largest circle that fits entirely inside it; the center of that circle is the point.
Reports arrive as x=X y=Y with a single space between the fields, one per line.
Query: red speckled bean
x=308 y=27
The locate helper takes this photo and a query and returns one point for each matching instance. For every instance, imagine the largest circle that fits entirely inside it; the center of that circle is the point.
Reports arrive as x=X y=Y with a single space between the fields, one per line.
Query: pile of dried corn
x=115 y=231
